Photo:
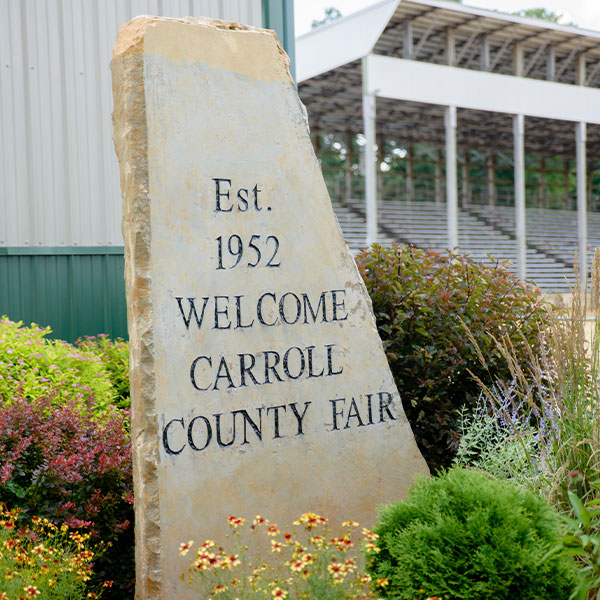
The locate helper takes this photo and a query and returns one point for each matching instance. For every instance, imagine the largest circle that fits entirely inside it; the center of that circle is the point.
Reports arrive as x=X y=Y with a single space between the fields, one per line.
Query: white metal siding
x=59 y=178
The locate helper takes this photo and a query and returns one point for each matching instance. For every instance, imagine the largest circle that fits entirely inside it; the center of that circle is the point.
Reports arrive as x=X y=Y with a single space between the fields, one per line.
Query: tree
x=540 y=13
x=331 y=14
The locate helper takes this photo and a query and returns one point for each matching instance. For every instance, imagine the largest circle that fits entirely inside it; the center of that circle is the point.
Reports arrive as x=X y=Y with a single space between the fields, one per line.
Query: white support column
x=450 y=47
x=407 y=42
x=451 y=187
x=518 y=60
x=368 y=106
x=580 y=142
x=581 y=171
x=485 y=53
x=550 y=64
x=581 y=69
x=519 y=163
x=438 y=176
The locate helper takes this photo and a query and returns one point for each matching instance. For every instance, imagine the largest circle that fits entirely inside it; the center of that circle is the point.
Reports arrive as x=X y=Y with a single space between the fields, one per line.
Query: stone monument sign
x=259 y=384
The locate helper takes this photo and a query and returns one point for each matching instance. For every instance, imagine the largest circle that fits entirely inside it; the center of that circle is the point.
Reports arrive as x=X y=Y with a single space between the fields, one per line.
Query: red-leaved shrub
x=70 y=465
x=423 y=303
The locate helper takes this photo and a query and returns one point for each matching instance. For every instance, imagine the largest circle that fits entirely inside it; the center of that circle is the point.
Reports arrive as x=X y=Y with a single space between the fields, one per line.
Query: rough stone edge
x=131 y=34
x=131 y=145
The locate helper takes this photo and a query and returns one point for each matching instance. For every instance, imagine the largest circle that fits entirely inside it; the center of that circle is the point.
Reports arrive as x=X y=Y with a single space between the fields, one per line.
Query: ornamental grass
x=540 y=427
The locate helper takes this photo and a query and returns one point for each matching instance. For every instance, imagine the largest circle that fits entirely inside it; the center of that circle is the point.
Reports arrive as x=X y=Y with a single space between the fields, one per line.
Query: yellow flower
x=276 y=546
x=206 y=545
x=235 y=522
x=297 y=565
x=32 y=591
x=279 y=593
x=349 y=524
x=184 y=548
x=382 y=582
x=233 y=560
x=342 y=543
x=310 y=520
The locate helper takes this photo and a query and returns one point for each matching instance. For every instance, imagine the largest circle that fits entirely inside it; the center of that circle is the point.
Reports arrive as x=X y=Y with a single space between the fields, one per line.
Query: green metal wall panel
x=77 y=291
x=279 y=15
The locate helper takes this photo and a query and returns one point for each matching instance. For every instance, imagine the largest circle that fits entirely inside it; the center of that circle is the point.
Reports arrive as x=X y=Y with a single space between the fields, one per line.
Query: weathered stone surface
x=275 y=397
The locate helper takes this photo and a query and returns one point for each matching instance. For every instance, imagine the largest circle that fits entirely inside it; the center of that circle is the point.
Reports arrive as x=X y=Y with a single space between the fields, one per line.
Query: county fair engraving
x=268 y=366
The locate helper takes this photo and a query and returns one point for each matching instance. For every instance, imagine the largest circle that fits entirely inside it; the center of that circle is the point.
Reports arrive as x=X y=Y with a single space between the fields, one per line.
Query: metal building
x=458 y=77
x=61 y=248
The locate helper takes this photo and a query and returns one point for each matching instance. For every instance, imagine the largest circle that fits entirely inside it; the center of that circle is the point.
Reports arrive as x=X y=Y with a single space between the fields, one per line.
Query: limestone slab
x=259 y=384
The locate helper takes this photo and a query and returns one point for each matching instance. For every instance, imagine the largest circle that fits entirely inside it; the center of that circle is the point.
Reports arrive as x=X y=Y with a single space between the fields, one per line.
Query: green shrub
x=465 y=536
x=422 y=303
x=32 y=366
x=115 y=358
x=583 y=542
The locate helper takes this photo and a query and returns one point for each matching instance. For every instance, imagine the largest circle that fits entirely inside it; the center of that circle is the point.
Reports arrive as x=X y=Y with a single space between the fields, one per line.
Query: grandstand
x=459 y=128
x=486 y=235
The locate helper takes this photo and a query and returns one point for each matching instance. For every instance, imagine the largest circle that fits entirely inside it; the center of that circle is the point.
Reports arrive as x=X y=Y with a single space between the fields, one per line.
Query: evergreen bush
x=423 y=304
x=465 y=536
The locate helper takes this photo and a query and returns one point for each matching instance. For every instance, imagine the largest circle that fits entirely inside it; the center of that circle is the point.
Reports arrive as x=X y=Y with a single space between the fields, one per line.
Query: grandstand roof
x=330 y=77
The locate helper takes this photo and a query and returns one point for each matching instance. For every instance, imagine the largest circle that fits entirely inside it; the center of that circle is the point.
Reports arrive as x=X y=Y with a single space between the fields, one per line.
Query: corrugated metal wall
x=59 y=178
x=76 y=294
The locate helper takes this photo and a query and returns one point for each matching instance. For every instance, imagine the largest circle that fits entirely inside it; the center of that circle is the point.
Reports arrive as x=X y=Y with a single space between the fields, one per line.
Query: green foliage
x=422 y=302
x=331 y=14
x=465 y=536
x=114 y=355
x=487 y=444
x=541 y=429
x=32 y=365
x=540 y=13
x=583 y=541
x=547 y=411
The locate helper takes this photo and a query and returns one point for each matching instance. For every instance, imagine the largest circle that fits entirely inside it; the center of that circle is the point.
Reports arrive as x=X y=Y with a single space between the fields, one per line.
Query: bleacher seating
x=485 y=234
